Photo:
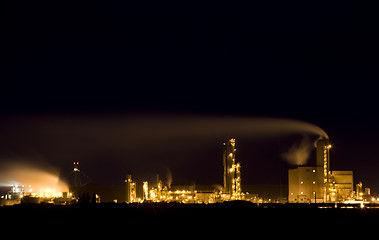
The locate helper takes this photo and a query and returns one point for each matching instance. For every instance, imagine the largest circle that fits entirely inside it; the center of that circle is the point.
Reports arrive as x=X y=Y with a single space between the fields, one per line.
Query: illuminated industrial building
x=343 y=184
x=184 y=193
x=146 y=191
x=365 y=195
x=190 y=193
x=131 y=195
x=27 y=194
x=318 y=184
x=306 y=185
x=232 y=171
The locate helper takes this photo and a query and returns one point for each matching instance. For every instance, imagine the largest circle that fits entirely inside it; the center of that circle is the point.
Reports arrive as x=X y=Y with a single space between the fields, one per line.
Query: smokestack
x=322 y=152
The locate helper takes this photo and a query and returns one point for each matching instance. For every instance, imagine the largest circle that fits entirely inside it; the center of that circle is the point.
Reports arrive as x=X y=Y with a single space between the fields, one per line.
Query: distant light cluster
x=26 y=194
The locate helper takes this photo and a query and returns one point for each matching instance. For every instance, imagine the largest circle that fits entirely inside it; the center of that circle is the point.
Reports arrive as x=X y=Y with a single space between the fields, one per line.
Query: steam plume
x=41 y=177
x=169 y=176
x=298 y=154
x=128 y=141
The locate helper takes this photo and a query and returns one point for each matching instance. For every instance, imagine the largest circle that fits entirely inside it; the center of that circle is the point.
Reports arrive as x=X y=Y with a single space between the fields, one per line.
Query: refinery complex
x=189 y=193
x=306 y=184
x=313 y=184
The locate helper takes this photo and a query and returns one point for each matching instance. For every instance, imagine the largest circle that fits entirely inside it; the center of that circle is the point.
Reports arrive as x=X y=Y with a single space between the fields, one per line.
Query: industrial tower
x=130 y=189
x=232 y=170
x=323 y=160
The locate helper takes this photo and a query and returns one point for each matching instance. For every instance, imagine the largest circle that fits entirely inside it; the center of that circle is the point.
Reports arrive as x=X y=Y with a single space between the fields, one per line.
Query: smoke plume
x=41 y=177
x=298 y=154
x=136 y=143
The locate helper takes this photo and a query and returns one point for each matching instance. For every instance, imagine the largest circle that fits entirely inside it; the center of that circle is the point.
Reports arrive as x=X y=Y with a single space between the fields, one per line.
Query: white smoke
x=42 y=177
x=128 y=141
x=298 y=154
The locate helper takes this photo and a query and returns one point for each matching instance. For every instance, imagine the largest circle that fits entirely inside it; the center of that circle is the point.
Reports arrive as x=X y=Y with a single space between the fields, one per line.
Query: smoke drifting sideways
x=141 y=144
x=41 y=176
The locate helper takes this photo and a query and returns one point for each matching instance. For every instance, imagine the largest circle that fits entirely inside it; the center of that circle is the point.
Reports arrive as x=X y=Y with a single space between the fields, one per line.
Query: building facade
x=343 y=183
x=305 y=185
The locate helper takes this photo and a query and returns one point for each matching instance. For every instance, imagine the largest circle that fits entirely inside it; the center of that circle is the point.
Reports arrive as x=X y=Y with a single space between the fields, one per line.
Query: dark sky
x=84 y=65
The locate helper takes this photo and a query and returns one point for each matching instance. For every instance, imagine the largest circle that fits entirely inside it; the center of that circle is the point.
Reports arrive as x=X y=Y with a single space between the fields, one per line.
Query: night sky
x=81 y=80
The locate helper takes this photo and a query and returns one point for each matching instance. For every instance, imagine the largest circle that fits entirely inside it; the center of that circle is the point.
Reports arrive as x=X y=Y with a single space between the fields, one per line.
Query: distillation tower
x=130 y=189
x=232 y=170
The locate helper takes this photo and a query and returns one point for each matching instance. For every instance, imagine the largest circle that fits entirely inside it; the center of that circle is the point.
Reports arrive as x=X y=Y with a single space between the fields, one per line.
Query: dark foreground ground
x=212 y=219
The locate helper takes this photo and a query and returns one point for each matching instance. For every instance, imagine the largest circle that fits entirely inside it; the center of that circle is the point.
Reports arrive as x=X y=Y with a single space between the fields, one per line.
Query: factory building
x=343 y=182
x=306 y=185
x=318 y=184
